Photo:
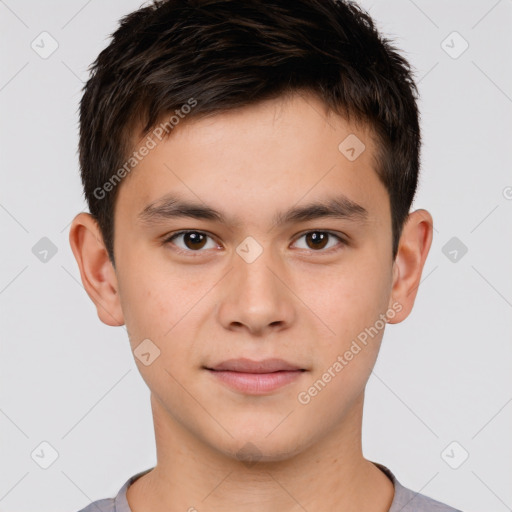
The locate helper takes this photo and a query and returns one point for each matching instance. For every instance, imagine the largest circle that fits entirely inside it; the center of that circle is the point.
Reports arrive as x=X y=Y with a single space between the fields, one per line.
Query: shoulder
x=406 y=500
x=117 y=504
x=410 y=501
x=104 y=505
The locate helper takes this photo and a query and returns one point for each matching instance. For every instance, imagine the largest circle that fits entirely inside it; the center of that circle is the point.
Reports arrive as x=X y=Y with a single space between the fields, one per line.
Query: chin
x=251 y=450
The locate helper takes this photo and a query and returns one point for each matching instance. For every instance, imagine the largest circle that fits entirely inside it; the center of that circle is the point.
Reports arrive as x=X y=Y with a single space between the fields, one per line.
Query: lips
x=249 y=366
x=256 y=377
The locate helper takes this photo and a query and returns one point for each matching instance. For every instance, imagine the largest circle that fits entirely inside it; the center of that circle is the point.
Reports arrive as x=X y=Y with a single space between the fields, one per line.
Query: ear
x=96 y=269
x=412 y=252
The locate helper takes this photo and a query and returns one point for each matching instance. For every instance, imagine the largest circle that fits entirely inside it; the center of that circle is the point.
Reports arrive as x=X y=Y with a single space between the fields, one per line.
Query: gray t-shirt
x=404 y=499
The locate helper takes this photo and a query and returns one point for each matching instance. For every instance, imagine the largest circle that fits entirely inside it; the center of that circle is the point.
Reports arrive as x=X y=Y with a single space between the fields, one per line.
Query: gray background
x=443 y=376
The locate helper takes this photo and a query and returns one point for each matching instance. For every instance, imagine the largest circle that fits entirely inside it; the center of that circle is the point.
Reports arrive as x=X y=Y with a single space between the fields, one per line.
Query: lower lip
x=256 y=383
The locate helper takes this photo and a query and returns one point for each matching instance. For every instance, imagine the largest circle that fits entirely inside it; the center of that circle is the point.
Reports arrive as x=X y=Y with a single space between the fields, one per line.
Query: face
x=259 y=275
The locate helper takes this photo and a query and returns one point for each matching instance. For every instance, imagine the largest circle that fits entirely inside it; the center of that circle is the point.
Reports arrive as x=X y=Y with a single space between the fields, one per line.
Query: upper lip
x=250 y=366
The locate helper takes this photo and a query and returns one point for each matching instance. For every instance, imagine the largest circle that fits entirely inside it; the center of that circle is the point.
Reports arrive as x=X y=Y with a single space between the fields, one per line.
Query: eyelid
x=169 y=238
x=342 y=239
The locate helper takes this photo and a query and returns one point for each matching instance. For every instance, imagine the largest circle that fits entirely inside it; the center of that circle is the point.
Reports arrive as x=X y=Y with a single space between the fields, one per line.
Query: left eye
x=318 y=239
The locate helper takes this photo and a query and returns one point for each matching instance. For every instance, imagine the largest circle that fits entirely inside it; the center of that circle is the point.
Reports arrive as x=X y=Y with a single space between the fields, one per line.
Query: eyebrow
x=170 y=206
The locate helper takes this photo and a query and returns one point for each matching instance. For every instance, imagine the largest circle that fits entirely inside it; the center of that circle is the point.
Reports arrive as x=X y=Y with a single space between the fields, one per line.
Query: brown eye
x=194 y=240
x=318 y=240
x=191 y=241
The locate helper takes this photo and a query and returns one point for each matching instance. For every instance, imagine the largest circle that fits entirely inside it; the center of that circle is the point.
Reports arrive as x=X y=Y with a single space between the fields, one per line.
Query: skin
x=295 y=302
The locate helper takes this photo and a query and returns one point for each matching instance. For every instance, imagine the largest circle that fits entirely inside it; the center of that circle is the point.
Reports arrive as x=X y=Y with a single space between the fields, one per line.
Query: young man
x=249 y=167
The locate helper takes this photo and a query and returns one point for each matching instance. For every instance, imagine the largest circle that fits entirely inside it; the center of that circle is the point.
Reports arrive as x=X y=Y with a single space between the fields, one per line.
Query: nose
x=257 y=297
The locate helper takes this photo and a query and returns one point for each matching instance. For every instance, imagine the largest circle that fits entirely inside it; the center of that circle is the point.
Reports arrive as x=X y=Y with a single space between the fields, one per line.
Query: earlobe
x=412 y=253
x=96 y=270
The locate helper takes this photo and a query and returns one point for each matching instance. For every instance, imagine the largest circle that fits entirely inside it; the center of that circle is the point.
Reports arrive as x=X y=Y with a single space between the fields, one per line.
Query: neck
x=191 y=475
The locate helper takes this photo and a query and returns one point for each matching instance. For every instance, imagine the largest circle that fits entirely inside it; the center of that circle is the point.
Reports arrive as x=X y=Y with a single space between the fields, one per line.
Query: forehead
x=258 y=158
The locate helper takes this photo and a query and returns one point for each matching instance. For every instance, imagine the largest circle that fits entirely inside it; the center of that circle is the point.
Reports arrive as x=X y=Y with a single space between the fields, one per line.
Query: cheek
x=349 y=297
x=351 y=306
x=161 y=310
x=167 y=308
x=154 y=293
x=351 y=302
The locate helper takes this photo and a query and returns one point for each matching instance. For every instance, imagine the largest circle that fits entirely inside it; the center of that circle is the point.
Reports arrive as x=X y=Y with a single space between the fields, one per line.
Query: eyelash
x=190 y=252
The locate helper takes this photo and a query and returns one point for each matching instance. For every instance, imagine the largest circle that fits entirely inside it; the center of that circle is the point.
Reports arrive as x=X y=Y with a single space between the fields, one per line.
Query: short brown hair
x=231 y=53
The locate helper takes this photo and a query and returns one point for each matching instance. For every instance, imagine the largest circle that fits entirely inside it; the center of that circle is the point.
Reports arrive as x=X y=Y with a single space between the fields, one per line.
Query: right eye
x=190 y=241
